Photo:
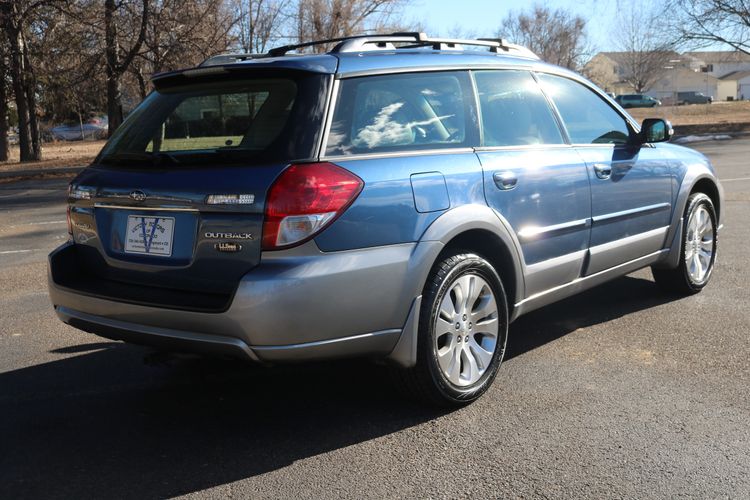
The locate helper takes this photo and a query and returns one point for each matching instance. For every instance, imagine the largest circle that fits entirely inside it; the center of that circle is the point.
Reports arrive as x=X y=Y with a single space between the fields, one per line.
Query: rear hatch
x=171 y=212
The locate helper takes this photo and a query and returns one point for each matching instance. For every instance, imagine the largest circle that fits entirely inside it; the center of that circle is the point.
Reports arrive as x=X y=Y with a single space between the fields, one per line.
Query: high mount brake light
x=304 y=200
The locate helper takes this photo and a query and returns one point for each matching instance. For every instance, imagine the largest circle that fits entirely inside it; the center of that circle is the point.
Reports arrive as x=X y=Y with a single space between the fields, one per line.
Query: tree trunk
x=16 y=73
x=29 y=83
x=114 y=89
x=3 y=110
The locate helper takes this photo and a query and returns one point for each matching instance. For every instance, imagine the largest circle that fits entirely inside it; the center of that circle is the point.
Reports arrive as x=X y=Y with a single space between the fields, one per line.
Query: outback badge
x=226 y=246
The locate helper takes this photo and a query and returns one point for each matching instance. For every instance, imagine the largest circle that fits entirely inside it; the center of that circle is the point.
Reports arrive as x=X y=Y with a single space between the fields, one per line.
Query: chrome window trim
x=431 y=68
x=658 y=207
x=392 y=154
x=146 y=209
x=333 y=94
x=521 y=147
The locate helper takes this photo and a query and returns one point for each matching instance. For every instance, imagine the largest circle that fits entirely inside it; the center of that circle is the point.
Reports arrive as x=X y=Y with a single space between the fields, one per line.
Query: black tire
x=426 y=381
x=678 y=280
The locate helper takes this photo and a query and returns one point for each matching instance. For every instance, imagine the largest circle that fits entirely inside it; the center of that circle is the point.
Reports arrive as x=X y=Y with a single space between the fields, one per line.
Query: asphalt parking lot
x=621 y=392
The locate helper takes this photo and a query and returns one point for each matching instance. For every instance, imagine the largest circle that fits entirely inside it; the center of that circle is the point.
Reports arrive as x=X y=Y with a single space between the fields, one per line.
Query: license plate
x=149 y=235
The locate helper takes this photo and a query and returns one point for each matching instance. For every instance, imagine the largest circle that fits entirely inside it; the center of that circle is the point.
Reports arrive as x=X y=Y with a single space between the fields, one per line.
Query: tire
x=450 y=370
x=698 y=239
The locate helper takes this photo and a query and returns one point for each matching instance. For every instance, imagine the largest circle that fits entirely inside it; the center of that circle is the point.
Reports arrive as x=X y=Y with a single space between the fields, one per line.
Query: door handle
x=505 y=180
x=603 y=170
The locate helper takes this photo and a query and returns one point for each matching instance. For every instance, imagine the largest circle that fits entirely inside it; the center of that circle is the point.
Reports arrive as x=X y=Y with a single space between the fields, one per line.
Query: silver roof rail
x=363 y=43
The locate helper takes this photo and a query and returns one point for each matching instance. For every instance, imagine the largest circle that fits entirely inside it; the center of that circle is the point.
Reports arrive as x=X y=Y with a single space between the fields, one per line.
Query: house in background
x=737 y=82
x=724 y=75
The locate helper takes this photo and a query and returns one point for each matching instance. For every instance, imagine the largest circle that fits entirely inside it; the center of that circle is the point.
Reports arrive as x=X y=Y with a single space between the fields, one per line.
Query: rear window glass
x=401 y=112
x=258 y=119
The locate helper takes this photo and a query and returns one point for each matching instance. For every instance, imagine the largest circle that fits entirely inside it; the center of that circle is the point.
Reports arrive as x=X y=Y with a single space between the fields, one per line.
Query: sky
x=483 y=17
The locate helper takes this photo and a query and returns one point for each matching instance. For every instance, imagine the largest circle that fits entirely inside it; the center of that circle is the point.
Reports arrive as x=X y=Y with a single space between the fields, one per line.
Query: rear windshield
x=245 y=121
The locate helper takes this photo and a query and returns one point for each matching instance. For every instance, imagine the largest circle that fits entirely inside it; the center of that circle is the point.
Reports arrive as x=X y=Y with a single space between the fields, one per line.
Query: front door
x=630 y=186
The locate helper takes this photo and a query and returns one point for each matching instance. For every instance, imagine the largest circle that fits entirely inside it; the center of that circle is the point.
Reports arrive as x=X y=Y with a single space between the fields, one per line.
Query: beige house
x=724 y=75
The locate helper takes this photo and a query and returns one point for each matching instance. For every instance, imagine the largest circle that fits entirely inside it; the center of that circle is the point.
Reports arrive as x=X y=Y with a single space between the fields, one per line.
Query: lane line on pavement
x=6 y=252
x=38 y=223
x=735 y=179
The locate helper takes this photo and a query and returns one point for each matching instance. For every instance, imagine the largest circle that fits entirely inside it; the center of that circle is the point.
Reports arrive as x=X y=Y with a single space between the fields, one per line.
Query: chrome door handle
x=505 y=180
x=602 y=170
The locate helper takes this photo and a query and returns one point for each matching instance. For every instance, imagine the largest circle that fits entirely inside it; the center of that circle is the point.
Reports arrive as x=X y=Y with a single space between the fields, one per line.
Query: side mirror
x=655 y=130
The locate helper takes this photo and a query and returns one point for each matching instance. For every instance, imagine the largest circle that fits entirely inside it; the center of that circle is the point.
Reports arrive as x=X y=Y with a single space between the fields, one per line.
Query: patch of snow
x=697 y=138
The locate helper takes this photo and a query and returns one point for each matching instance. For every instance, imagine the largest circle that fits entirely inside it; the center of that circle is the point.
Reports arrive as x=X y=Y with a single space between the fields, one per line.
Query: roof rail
x=359 y=43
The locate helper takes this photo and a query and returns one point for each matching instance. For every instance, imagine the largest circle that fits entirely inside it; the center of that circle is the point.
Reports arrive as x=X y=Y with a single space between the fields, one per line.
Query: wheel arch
x=472 y=227
x=704 y=182
x=480 y=229
x=707 y=186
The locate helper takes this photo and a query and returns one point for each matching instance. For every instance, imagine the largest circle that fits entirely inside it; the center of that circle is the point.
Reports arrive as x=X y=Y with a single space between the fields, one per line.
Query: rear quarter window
x=402 y=112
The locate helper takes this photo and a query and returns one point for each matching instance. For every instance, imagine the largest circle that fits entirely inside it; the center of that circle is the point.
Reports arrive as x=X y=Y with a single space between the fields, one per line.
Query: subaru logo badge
x=138 y=195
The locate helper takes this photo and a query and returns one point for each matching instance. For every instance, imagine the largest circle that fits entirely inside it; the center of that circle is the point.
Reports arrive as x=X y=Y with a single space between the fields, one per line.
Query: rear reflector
x=304 y=200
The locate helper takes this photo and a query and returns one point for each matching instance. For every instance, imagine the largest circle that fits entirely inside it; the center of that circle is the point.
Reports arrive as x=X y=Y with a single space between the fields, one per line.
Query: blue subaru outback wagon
x=398 y=197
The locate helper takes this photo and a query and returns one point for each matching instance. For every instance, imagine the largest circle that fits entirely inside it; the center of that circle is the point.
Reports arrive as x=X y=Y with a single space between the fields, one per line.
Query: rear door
x=532 y=178
x=630 y=185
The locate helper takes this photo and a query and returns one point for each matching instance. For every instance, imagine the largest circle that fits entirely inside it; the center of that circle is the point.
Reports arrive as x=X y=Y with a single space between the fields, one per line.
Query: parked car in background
x=398 y=203
x=93 y=128
x=693 y=98
x=637 y=101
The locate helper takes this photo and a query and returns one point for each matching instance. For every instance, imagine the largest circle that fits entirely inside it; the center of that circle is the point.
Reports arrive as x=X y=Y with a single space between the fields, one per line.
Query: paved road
x=619 y=392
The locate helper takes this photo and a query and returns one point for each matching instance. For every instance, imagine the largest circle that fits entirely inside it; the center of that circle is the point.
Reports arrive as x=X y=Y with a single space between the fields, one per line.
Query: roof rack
x=360 y=43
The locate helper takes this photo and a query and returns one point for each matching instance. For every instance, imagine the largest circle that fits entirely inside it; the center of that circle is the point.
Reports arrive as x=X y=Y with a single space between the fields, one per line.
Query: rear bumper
x=300 y=304
x=377 y=343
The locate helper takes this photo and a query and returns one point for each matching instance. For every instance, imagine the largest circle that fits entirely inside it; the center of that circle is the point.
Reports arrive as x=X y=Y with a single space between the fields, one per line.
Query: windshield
x=246 y=121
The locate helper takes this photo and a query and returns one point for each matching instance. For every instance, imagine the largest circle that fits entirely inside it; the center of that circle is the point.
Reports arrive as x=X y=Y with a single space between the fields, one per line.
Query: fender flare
x=445 y=228
x=676 y=227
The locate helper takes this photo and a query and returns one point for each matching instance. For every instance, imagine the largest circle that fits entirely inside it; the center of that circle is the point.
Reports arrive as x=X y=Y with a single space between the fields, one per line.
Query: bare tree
x=644 y=48
x=16 y=18
x=557 y=36
x=707 y=22
x=120 y=15
x=4 y=146
x=181 y=34
x=321 y=19
x=260 y=23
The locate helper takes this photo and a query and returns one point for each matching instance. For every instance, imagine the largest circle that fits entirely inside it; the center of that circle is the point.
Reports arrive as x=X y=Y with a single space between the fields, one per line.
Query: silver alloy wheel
x=466 y=330
x=699 y=245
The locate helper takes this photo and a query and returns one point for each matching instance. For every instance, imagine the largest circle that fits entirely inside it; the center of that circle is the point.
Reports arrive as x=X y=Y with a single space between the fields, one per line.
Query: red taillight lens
x=304 y=200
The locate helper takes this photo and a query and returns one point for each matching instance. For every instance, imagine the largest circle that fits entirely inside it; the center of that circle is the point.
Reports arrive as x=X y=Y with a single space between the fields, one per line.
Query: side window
x=514 y=110
x=401 y=112
x=587 y=117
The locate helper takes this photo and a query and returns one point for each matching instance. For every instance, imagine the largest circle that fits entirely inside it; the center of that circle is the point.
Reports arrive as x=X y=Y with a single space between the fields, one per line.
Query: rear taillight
x=304 y=200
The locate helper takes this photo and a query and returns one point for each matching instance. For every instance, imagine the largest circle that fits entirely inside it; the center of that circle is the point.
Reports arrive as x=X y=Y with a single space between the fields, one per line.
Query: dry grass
x=56 y=154
x=698 y=114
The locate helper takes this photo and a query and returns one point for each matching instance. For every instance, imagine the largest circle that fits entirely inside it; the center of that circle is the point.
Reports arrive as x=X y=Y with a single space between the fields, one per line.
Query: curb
x=25 y=174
